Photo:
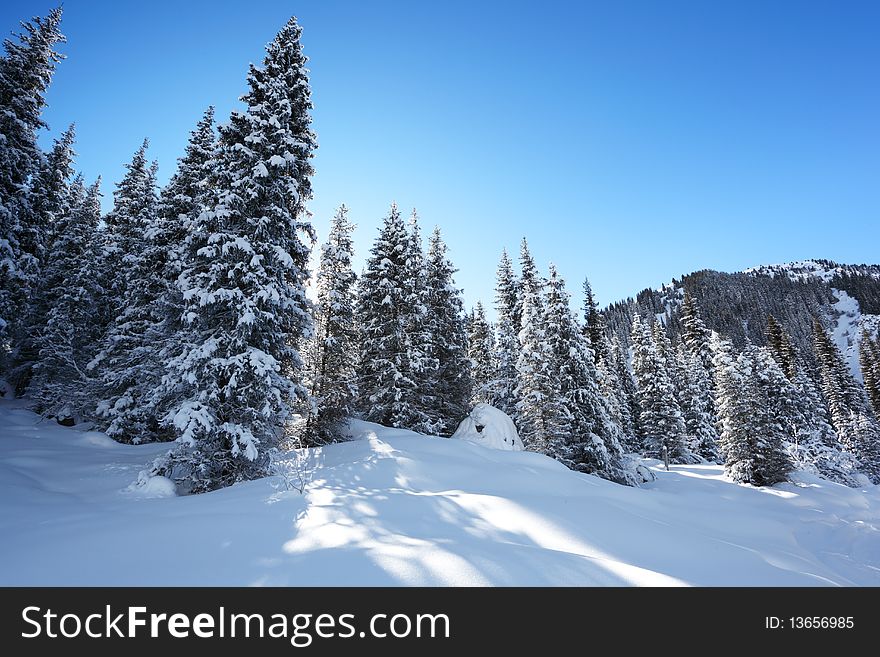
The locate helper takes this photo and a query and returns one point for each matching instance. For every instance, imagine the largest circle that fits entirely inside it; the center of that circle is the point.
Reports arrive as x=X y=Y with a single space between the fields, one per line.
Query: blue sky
x=629 y=141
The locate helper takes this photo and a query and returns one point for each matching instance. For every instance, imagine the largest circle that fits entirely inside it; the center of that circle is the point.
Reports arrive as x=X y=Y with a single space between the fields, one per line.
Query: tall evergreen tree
x=387 y=380
x=869 y=361
x=244 y=282
x=481 y=349
x=594 y=325
x=50 y=204
x=332 y=370
x=68 y=339
x=502 y=389
x=180 y=204
x=26 y=70
x=128 y=362
x=781 y=347
x=134 y=203
x=424 y=364
x=628 y=394
x=451 y=385
x=587 y=440
x=851 y=414
x=695 y=335
x=530 y=279
x=661 y=420
x=697 y=406
x=542 y=418
x=752 y=438
x=816 y=447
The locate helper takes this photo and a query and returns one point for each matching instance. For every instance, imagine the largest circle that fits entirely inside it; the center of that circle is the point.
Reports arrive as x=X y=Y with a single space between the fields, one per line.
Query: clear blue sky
x=629 y=141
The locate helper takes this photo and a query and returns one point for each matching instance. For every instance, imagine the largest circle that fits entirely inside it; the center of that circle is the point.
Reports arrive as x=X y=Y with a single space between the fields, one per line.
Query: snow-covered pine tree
x=695 y=335
x=67 y=342
x=244 y=282
x=180 y=204
x=775 y=415
x=450 y=385
x=816 y=447
x=869 y=362
x=26 y=70
x=129 y=362
x=133 y=201
x=781 y=347
x=587 y=439
x=49 y=204
x=529 y=280
x=481 y=350
x=697 y=404
x=332 y=370
x=417 y=333
x=629 y=394
x=661 y=420
x=751 y=439
x=594 y=325
x=543 y=421
x=388 y=387
x=851 y=414
x=502 y=389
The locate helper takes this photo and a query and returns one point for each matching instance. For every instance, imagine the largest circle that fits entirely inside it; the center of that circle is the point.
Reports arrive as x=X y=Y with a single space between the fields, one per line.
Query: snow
x=154 y=487
x=847 y=329
x=489 y=427
x=394 y=508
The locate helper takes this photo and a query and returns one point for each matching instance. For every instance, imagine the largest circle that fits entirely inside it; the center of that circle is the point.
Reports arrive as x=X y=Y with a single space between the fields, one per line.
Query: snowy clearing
x=394 y=508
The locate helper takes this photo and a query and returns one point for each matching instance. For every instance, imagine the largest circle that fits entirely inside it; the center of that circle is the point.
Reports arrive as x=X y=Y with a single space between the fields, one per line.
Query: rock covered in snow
x=489 y=427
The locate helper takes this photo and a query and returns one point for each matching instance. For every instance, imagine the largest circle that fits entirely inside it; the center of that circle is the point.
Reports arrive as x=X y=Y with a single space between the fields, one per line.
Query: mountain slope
x=844 y=297
x=397 y=508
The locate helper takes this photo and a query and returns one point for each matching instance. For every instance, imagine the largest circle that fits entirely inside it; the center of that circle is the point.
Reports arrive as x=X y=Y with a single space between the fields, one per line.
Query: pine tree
x=49 y=197
x=816 y=447
x=50 y=204
x=244 y=280
x=695 y=335
x=776 y=415
x=628 y=390
x=180 y=205
x=594 y=325
x=781 y=347
x=542 y=419
x=481 y=349
x=128 y=362
x=752 y=435
x=26 y=70
x=530 y=280
x=850 y=410
x=502 y=390
x=869 y=361
x=134 y=203
x=424 y=365
x=67 y=341
x=332 y=370
x=587 y=439
x=451 y=385
x=697 y=405
x=388 y=386
x=661 y=420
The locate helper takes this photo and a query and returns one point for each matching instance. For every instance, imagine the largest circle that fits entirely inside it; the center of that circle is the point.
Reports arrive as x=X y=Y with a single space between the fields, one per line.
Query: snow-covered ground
x=395 y=508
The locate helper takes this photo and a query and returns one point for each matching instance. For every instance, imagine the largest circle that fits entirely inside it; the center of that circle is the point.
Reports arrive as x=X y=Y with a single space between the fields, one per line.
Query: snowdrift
x=489 y=427
x=393 y=508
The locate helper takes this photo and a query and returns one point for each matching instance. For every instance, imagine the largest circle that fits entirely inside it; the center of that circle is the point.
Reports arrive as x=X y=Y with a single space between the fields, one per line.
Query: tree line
x=182 y=316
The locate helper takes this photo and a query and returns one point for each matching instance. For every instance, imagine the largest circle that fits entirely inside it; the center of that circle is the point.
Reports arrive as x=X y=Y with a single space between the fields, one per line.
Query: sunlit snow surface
x=394 y=508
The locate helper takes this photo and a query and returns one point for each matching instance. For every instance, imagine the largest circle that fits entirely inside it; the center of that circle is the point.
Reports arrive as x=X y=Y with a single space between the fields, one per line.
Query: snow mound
x=151 y=487
x=489 y=427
